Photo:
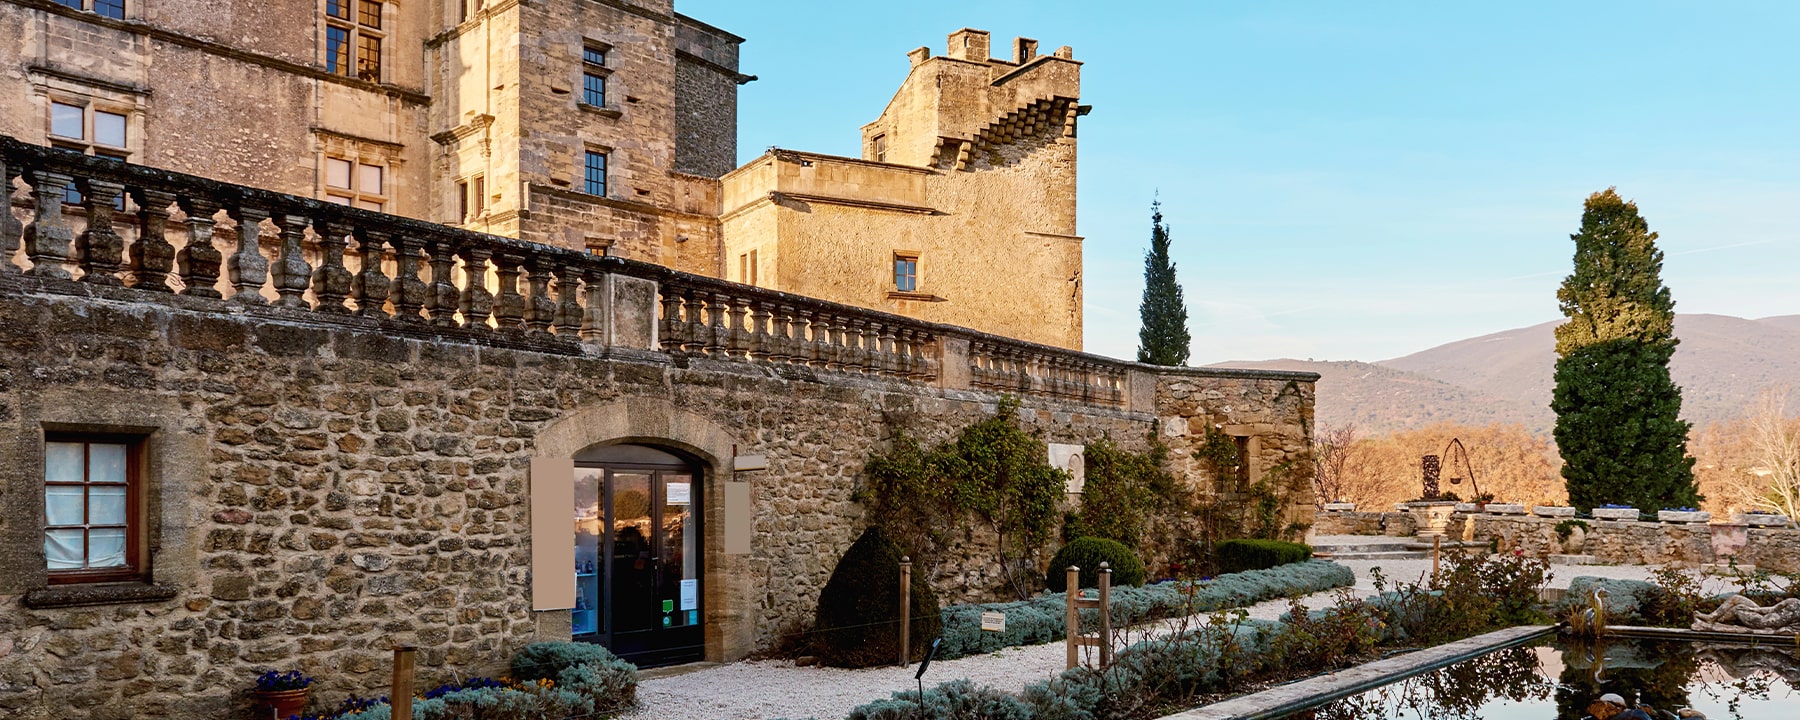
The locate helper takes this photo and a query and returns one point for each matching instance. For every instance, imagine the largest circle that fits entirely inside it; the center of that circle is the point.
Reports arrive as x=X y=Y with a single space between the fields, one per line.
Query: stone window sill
x=915 y=296
x=59 y=596
x=601 y=111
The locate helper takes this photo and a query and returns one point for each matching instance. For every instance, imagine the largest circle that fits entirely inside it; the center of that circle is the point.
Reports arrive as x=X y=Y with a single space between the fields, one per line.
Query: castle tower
x=961 y=209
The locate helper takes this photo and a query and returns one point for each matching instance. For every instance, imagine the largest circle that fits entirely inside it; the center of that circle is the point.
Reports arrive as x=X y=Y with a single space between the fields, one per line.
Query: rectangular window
x=369 y=14
x=881 y=148
x=595 y=174
x=86 y=129
x=109 y=129
x=593 y=89
x=471 y=198
x=68 y=121
x=90 y=508
x=752 y=267
x=114 y=9
x=354 y=183
x=71 y=3
x=1242 y=446
x=368 y=58
x=353 y=24
x=906 y=273
x=337 y=50
x=593 y=56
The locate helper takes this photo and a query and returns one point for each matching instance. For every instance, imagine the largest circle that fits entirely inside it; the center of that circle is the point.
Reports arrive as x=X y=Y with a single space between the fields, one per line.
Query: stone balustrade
x=107 y=223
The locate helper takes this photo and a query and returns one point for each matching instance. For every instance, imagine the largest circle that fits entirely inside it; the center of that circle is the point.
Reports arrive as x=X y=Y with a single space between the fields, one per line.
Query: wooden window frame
x=89 y=142
x=349 y=60
x=587 y=167
x=912 y=259
x=134 y=568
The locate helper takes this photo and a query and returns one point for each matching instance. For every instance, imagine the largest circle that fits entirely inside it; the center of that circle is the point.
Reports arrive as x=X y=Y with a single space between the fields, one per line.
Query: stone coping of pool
x=1287 y=699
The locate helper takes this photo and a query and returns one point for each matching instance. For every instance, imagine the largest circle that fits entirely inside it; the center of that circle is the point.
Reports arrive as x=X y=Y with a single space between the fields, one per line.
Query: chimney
x=919 y=55
x=1024 y=49
x=967 y=44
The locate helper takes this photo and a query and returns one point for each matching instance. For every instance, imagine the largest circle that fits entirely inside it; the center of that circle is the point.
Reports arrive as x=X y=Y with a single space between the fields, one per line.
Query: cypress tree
x=1618 y=423
x=1163 y=338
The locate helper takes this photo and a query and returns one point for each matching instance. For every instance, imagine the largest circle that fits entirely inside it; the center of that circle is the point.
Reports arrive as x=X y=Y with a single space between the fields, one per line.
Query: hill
x=1721 y=365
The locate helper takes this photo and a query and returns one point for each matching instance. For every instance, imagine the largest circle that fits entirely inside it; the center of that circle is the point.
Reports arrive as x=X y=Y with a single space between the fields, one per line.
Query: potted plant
x=280 y=694
x=1683 y=515
x=1621 y=513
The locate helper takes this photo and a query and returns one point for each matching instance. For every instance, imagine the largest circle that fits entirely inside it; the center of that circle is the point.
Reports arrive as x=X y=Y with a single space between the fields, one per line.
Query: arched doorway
x=638 y=558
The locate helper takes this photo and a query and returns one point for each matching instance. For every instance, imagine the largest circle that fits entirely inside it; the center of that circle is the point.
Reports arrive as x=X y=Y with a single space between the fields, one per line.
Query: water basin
x=1557 y=679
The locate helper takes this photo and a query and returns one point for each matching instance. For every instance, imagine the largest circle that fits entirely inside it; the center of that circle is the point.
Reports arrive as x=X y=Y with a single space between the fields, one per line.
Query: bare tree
x=1331 y=448
x=1768 y=475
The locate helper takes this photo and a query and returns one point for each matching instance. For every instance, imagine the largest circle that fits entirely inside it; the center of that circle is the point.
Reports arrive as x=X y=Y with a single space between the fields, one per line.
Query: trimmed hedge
x=954 y=699
x=1087 y=553
x=1040 y=619
x=1241 y=555
x=858 y=617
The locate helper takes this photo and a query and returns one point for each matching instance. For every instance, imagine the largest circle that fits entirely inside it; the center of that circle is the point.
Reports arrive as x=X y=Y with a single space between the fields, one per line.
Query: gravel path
x=778 y=689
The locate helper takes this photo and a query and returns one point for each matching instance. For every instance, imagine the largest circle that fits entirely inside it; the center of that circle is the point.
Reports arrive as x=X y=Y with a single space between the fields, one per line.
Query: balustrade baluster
x=760 y=337
x=408 y=293
x=370 y=287
x=247 y=269
x=568 y=301
x=925 y=356
x=781 y=339
x=815 y=329
x=693 y=316
x=476 y=302
x=291 y=271
x=48 y=239
x=198 y=261
x=903 y=351
x=331 y=280
x=10 y=229
x=509 y=305
x=718 y=338
x=441 y=295
x=869 y=339
x=152 y=256
x=836 y=346
x=892 y=363
x=740 y=329
x=540 y=310
x=99 y=248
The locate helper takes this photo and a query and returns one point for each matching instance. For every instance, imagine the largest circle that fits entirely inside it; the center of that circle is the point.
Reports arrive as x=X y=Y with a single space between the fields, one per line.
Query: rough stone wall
x=1275 y=416
x=207 y=109
x=327 y=491
x=1393 y=524
x=706 y=82
x=1608 y=541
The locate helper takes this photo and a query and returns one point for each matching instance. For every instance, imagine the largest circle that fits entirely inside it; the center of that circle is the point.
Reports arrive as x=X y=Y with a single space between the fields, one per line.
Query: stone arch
x=656 y=422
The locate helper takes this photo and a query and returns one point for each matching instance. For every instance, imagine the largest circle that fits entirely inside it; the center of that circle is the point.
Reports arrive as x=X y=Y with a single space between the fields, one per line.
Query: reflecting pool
x=1559 y=679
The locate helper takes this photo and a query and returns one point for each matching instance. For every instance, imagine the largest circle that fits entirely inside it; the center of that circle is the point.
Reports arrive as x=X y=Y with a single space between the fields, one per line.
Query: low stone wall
x=1395 y=524
x=1610 y=542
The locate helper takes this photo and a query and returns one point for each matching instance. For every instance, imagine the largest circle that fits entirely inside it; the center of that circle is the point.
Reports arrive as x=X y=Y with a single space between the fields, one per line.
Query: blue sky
x=1359 y=180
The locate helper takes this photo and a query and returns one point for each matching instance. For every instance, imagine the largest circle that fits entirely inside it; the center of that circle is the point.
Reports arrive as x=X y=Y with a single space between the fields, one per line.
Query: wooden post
x=1072 y=592
x=1105 y=615
x=905 y=609
x=400 y=697
x=1437 y=542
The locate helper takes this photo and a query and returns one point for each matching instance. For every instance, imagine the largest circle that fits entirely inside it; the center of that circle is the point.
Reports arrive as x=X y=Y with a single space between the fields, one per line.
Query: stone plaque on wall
x=1070 y=459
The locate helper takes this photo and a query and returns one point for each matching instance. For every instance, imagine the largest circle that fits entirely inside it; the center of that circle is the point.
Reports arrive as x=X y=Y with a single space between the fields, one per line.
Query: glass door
x=638 y=561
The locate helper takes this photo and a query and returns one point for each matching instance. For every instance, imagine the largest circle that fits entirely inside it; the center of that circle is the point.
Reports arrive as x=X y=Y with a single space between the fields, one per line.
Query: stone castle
x=331 y=362
x=606 y=126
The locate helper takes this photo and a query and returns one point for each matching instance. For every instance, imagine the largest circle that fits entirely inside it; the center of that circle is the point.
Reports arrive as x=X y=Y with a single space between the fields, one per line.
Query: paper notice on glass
x=679 y=493
x=690 y=594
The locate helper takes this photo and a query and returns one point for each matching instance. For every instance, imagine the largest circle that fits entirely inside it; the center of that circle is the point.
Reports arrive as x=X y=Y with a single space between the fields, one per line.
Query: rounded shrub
x=858 y=620
x=1087 y=553
x=1242 y=555
x=547 y=660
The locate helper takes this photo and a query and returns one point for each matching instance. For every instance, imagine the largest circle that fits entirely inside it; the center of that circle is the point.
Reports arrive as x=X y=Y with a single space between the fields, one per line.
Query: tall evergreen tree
x=1163 y=338
x=1618 y=421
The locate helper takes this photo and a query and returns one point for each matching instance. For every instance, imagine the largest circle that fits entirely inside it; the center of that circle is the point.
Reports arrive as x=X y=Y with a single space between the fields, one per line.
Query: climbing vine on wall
x=1239 y=509
x=993 y=472
x=1123 y=490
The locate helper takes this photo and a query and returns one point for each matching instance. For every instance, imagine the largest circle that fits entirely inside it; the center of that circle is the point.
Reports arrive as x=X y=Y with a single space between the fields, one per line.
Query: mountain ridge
x=1507 y=377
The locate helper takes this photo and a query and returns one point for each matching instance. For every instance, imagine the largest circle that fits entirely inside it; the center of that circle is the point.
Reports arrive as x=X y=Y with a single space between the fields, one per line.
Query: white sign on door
x=690 y=594
x=680 y=493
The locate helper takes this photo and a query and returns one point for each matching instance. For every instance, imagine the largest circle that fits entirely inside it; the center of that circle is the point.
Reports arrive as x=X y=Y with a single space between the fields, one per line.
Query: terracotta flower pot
x=279 y=704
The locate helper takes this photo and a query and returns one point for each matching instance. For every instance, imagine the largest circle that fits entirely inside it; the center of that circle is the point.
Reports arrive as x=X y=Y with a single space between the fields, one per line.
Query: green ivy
x=1122 y=490
x=993 y=471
